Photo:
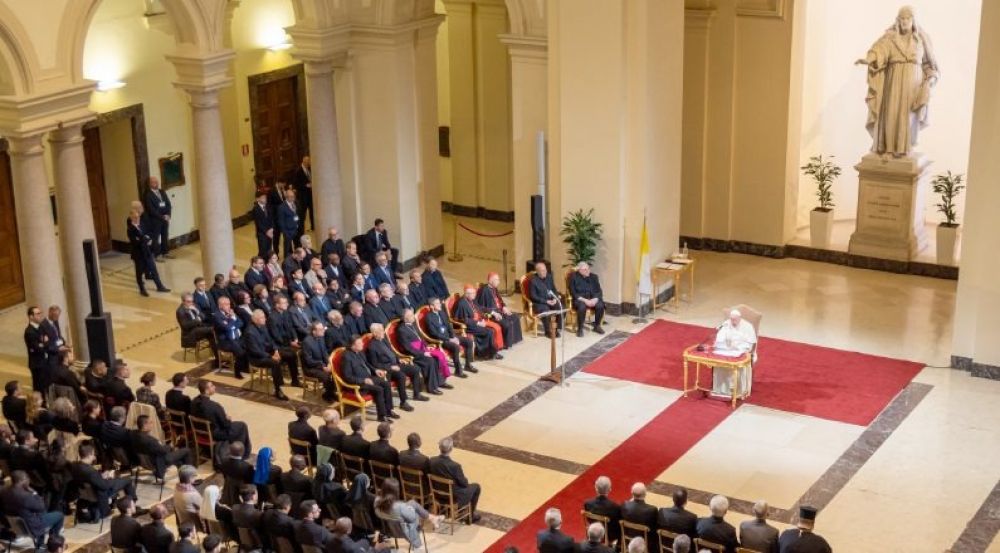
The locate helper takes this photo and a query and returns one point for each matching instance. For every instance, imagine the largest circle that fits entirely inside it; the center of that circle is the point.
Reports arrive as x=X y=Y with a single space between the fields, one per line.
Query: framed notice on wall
x=172 y=170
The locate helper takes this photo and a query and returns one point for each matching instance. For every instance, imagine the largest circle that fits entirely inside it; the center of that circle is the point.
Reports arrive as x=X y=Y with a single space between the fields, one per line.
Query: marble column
x=215 y=227
x=427 y=136
x=324 y=149
x=40 y=263
x=76 y=224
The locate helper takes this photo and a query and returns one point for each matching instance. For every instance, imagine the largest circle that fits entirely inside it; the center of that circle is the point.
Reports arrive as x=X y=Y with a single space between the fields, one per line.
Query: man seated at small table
x=734 y=338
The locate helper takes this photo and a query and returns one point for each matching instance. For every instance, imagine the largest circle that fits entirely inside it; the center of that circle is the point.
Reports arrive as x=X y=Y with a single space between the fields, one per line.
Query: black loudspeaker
x=100 y=335
x=537 y=227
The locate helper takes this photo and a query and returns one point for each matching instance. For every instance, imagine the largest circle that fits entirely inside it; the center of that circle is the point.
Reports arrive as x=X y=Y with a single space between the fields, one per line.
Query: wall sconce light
x=104 y=86
x=280 y=46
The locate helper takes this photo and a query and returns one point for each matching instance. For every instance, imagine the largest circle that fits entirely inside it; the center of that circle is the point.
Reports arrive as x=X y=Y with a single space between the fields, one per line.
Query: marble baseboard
x=436 y=251
x=981 y=370
x=824 y=256
x=478 y=212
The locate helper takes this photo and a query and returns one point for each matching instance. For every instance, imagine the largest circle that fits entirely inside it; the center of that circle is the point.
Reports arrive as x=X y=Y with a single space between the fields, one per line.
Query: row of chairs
x=529 y=311
x=631 y=530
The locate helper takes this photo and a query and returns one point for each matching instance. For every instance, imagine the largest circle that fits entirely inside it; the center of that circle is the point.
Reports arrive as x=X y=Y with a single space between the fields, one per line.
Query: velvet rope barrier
x=485 y=234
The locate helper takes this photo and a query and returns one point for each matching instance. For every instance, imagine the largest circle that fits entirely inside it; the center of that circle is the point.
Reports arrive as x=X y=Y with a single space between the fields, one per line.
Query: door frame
x=5 y=148
x=302 y=112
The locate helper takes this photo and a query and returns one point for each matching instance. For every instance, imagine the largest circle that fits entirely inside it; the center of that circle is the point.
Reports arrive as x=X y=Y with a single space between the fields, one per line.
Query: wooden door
x=11 y=281
x=274 y=115
x=98 y=191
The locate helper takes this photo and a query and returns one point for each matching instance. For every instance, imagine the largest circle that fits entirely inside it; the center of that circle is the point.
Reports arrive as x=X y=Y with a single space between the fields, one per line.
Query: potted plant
x=581 y=234
x=948 y=186
x=823 y=172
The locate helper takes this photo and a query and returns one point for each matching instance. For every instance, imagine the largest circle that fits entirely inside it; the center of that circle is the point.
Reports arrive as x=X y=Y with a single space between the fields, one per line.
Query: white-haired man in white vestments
x=734 y=338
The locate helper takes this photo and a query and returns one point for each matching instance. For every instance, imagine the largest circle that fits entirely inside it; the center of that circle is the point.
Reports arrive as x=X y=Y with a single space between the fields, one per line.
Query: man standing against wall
x=158 y=208
x=302 y=180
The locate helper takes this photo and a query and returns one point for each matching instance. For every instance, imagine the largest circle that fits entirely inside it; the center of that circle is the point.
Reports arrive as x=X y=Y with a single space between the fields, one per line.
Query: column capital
x=67 y=134
x=318 y=68
x=39 y=113
x=25 y=145
x=202 y=73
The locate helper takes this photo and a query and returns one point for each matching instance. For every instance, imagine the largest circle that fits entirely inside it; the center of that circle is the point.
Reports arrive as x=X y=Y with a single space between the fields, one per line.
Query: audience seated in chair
x=677 y=519
x=757 y=534
x=465 y=492
x=155 y=537
x=595 y=540
x=552 y=539
x=125 y=528
x=716 y=530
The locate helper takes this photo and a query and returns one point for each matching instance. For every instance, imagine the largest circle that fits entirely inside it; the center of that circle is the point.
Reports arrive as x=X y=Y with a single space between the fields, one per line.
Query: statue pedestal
x=891 y=200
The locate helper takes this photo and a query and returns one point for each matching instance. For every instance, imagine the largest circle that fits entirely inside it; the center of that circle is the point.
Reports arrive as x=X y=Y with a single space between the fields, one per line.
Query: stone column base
x=891 y=199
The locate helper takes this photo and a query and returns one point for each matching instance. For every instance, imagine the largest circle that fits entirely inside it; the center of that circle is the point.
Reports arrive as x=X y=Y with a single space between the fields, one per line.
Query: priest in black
x=585 y=293
x=438 y=327
x=492 y=303
x=382 y=357
x=486 y=333
x=408 y=337
x=262 y=351
x=358 y=372
x=544 y=296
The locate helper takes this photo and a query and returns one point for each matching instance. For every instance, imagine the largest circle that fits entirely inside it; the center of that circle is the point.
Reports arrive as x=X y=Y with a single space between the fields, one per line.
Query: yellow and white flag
x=645 y=269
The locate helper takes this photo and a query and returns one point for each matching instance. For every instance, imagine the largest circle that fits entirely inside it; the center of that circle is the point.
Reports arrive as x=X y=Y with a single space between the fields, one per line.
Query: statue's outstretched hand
x=861 y=61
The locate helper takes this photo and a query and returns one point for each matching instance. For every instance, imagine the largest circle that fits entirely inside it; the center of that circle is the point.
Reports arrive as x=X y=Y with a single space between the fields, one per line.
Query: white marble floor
x=917 y=492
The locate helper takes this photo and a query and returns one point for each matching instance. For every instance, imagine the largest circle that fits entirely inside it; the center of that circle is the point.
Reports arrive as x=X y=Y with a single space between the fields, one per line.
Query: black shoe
x=437 y=392
x=163 y=289
x=421 y=397
x=476 y=518
x=383 y=419
x=471 y=369
x=144 y=293
x=406 y=407
x=598 y=329
x=498 y=356
x=238 y=376
x=394 y=415
x=558 y=334
x=462 y=375
x=446 y=386
x=281 y=395
x=296 y=384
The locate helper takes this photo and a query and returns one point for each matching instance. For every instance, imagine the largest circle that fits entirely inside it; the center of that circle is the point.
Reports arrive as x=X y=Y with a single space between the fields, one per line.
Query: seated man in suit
x=377 y=240
x=585 y=293
x=552 y=540
x=358 y=372
x=277 y=523
x=487 y=334
x=341 y=542
x=314 y=273
x=194 y=324
x=355 y=443
x=544 y=297
x=301 y=315
x=489 y=299
x=418 y=293
x=203 y=300
x=245 y=512
x=336 y=334
x=262 y=351
x=228 y=330
x=255 y=274
x=604 y=506
x=105 y=486
x=218 y=289
x=155 y=537
x=637 y=511
x=294 y=481
x=386 y=301
x=383 y=358
x=382 y=272
x=439 y=327
x=381 y=450
x=431 y=363
x=330 y=434
x=224 y=429
x=402 y=300
x=175 y=398
x=355 y=319
x=15 y=406
x=803 y=538
x=117 y=439
x=294 y=262
x=351 y=261
x=319 y=303
x=433 y=281
x=757 y=534
x=373 y=313
x=288 y=221
x=144 y=442
x=465 y=492
x=236 y=471
x=677 y=519
x=316 y=360
x=236 y=285
x=332 y=244
x=184 y=543
x=715 y=529
x=300 y=429
x=337 y=296
x=116 y=390
x=280 y=324
x=310 y=531
x=19 y=500
x=125 y=528
x=412 y=457
x=334 y=271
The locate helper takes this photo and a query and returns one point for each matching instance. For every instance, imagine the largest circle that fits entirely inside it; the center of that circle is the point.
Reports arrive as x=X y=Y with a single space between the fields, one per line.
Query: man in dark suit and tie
x=544 y=296
x=316 y=359
x=263 y=352
x=300 y=429
x=294 y=481
x=401 y=300
x=203 y=298
x=229 y=330
x=333 y=270
x=158 y=209
x=302 y=181
x=715 y=529
x=263 y=222
x=677 y=519
x=145 y=443
x=36 y=342
x=142 y=255
x=358 y=372
x=552 y=539
x=465 y=492
x=412 y=457
x=433 y=281
x=374 y=313
x=354 y=320
x=383 y=358
x=310 y=531
x=604 y=506
x=175 y=398
x=377 y=240
x=333 y=244
x=355 y=443
x=417 y=292
x=413 y=345
x=637 y=511
x=382 y=272
x=288 y=222
x=255 y=274
x=381 y=450
x=337 y=334
x=55 y=345
x=224 y=429
x=438 y=327
x=194 y=325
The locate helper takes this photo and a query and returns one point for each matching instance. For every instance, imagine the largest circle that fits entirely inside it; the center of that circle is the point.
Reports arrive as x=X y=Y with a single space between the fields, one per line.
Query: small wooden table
x=675 y=274
x=710 y=359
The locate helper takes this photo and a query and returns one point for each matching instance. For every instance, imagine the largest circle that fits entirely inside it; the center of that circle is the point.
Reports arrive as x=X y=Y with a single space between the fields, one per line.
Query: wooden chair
x=197 y=348
x=259 y=374
x=349 y=393
x=226 y=358
x=710 y=545
x=392 y=336
x=283 y=545
x=526 y=306
x=146 y=463
x=393 y=527
x=204 y=444
x=746 y=550
x=353 y=466
x=590 y=518
x=752 y=316
x=449 y=309
x=249 y=540
x=302 y=445
x=442 y=493
x=413 y=485
x=632 y=530
x=178 y=425
x=667 y=540
x=421 y=316
x=379 y=472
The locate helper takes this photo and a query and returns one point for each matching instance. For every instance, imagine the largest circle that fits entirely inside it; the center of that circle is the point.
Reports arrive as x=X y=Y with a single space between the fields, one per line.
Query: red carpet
x=800 y=378
x=822 y=382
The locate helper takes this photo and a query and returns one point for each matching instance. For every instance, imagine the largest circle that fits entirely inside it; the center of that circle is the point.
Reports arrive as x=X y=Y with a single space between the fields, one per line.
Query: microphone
x=701 y=344
x=552 y=294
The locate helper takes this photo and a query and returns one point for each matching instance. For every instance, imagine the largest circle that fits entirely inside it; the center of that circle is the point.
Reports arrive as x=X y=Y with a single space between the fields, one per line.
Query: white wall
x=839 y=32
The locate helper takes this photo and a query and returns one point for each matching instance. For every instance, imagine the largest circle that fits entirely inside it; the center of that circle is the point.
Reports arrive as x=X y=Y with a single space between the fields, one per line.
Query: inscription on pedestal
x=890 y=207
x=884 y=209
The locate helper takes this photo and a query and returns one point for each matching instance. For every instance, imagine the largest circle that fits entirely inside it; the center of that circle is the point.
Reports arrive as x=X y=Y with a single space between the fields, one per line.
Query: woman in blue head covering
x=265 y=473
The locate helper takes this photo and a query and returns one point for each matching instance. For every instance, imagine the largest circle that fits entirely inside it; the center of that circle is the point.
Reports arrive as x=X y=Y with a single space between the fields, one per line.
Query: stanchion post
x=455 y=256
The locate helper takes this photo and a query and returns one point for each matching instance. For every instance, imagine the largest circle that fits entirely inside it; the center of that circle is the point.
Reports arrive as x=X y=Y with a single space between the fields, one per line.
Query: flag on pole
x=645 y=269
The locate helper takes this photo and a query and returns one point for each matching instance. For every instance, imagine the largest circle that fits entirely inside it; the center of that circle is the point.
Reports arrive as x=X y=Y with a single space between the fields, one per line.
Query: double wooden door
x=11 y=281
x=278 y=125
x=98 y=190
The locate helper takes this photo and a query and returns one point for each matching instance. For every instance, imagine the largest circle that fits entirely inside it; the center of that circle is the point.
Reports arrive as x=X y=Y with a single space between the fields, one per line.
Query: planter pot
x=820 y=228
x=946 y=239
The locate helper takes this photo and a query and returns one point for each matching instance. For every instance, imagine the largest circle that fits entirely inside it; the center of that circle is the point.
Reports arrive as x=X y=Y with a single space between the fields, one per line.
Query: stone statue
x=902 y=69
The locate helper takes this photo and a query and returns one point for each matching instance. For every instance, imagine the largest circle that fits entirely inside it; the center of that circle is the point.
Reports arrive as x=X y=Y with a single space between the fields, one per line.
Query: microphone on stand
x=701 y=344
